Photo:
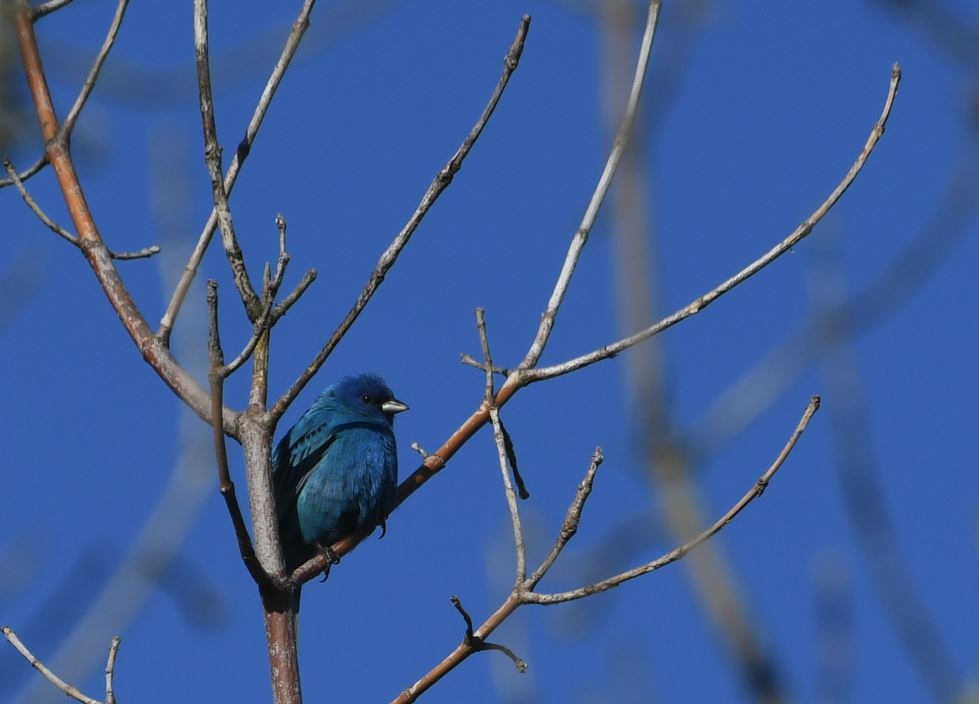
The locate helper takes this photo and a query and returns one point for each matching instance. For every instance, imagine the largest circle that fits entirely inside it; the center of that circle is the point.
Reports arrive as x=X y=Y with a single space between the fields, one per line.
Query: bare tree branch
x=86 y=90
x=216 y=377
x=91 y=243
x=390 y=255
x=58 y=229
x=758 y=387
x=296 y=34
x=35 y=208
x=522 y=377
x=48 y=7
x=41 y=162
x=699 y=304
x=523 y=591
x=93 y=75
x=68 y=689
x=110 y=670
x=678 y=553
x=580 y=238
x=571 y=520
x=212 y=154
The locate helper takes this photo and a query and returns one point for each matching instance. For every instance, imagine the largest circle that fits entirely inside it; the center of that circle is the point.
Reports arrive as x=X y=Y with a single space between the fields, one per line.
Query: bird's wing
x=295 y=455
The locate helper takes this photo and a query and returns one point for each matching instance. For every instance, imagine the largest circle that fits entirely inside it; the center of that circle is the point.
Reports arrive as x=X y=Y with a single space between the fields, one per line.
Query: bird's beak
x=393 y=406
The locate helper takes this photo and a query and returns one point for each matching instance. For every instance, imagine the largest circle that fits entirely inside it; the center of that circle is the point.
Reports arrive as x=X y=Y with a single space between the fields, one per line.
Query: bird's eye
x=365 y=398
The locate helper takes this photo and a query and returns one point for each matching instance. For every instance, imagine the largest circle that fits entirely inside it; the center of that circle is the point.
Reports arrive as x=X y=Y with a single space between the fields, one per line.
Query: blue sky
x=754 y=112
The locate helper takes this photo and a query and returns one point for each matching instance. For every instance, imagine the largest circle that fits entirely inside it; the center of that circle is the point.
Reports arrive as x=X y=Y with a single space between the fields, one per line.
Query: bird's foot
x=384 y=530
x=331 y=559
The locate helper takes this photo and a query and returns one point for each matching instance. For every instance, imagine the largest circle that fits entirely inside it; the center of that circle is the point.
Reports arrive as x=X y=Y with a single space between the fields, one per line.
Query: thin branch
x=92 y=245
x=225 y=485
x=757 y=389
x=390 y=255
x=110 y=670
x=212 y=154
x=523 y=592
x=460 y=653
x=470 y=361
x=502 y=452
x=267 y=317
x=571 y=520
x=678 y=553
x=511 y=497
x=699 y=304
x=48 y=7
x=580 y=238
x=32 y=204
x=93 y=75
x=296 y=34
x=41 y=162
x=282 y=308
x=87 y=86
x=478 y=644
x=520 y=378
x=68 y=689
x=58 y=229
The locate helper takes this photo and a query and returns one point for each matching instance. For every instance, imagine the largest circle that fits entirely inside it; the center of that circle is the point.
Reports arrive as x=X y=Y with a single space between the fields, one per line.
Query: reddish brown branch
x=90 y=241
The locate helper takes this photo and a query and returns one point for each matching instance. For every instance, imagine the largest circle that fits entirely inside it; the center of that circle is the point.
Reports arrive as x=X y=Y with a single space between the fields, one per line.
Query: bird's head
x=365 y=395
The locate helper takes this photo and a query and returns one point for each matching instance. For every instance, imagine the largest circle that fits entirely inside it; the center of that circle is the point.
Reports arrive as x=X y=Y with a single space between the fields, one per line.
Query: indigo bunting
x=336 y=470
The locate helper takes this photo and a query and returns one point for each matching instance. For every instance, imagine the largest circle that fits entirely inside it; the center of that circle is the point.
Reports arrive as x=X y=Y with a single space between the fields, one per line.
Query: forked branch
x=68 y=689
x=524 y=592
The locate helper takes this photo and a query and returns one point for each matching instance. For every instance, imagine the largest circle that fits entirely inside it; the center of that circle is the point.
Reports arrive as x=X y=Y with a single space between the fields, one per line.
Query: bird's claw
x=331 y=559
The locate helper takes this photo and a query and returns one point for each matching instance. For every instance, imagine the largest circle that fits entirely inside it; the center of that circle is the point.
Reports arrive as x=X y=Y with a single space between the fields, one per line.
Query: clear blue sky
x=769 y=103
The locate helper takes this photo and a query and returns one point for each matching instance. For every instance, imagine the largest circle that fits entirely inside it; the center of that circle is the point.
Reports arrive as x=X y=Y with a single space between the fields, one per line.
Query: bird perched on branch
x=336 y=470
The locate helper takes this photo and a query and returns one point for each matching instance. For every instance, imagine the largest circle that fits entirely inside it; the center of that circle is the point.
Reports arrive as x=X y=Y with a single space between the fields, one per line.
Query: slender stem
x=48 y=7
x=110 y=670
x=519 y=547
x=678 y=553
x=225 y=485
x=571 y=520
x=212 y=155
x=777 y=251
x=296 y=34
x=462 y=651
x=390 y=255
x=580 y=238
x=93 y=74
x=68 y=689
x=96 y=253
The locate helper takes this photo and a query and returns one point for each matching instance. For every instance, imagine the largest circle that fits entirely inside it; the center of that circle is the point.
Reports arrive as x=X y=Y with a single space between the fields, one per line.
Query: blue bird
x=336 y=470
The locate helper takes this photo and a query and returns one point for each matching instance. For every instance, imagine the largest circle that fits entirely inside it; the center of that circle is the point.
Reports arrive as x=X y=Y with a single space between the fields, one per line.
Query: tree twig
x=700 y=303
x=91 y=243
x=110 y=670
x=48 y=7
x=571 y=520
x=216 y=378
x=58 y=229
x=68 y=689
x=212 y=155
x=296 y=34
x=524 y=593
x=93 y=75
x=519 y=378
x=501 y=451
x=703 y=301
x=69 y=124
x=390 y=255
x=679 y=552
x=580 y=238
